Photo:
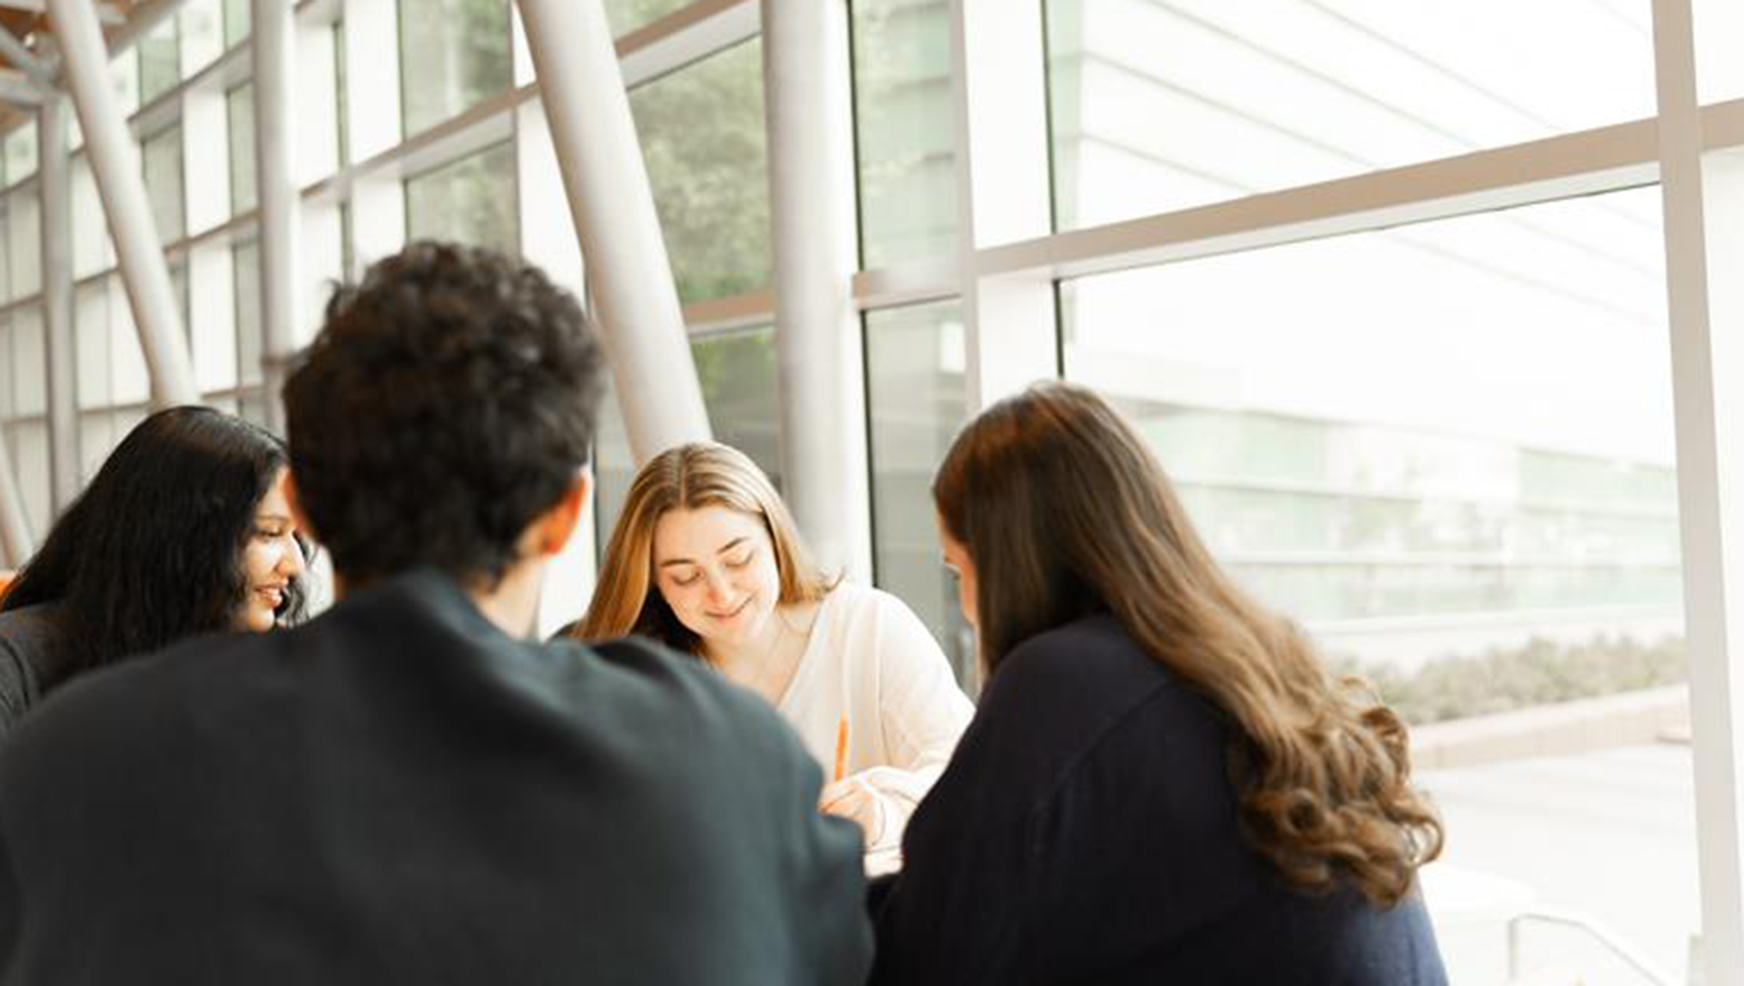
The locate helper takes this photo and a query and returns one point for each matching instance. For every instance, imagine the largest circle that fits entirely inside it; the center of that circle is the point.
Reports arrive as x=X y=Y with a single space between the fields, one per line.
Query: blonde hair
x=1064 y=512
x=689 y=477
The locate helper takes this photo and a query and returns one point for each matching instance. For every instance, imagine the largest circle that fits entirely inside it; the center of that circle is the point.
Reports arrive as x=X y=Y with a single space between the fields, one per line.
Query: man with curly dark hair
x=406 y=789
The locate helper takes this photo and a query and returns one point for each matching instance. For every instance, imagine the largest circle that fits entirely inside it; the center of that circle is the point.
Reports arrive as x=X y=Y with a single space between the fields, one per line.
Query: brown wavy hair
x=688 y=477
x=1064 y=512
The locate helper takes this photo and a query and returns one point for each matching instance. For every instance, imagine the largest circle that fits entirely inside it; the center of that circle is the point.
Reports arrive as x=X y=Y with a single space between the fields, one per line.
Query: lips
x=273 y=595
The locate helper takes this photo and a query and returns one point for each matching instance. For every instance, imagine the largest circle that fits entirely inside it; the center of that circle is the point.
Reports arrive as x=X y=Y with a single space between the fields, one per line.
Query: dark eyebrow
x=270 y=518
x=723 y=549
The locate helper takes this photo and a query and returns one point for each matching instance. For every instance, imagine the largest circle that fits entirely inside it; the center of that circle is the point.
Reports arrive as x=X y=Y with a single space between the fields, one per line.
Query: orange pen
x=842 y=748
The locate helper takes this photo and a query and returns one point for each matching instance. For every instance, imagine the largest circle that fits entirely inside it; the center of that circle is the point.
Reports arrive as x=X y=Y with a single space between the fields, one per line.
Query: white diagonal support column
x=15 y=540
x=612 y=205
x=115 y=163
x=274 y=35
x=54 y=169
x=1704 y=244
x=814 y=239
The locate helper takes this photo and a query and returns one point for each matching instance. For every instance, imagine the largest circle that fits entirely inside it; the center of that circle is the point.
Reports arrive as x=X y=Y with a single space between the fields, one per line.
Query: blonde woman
x=706 y=559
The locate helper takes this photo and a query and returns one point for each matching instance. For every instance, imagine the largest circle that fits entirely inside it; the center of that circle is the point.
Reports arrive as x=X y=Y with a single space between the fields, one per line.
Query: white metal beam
x=115 y=163
x=274 y=30
x=54 y=167
x=1704 y=242
x=809 y=116
x=997 y=74
x=612 y=205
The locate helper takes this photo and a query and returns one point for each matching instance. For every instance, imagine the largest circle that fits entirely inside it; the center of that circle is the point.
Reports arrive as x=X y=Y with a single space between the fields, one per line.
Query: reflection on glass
x=239 y=104
x=1394 y=427
x=453 y=54
x=1163 y=105
x=702 y=138
x=904 y=114
x=916 y=400
x=162 y=155
x=160 y=60
x=471 y=200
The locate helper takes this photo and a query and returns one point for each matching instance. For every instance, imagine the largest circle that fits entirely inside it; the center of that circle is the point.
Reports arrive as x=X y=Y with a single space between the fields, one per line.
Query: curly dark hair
x=151 y=551
x=448 y=400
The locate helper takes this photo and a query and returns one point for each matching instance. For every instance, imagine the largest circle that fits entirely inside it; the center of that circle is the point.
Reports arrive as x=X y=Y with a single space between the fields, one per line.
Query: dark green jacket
x=397 y=792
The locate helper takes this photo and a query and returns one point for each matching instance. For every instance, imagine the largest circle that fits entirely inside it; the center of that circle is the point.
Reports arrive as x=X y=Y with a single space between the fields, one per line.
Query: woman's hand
x=853 y=798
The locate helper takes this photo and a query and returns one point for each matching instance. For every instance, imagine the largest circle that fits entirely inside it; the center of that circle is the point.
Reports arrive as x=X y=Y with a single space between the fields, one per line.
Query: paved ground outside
x=1608 y=836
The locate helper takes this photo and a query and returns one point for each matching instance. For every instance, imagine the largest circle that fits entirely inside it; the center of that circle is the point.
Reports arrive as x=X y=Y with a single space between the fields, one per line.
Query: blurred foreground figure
x=405 y=789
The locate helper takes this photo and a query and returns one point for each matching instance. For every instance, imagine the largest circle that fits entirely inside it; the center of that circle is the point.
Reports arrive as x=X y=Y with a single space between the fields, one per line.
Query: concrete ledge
x=1626 y=719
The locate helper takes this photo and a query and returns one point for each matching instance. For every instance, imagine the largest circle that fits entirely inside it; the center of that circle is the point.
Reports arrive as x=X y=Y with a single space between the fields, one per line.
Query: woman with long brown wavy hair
x=1162 y=782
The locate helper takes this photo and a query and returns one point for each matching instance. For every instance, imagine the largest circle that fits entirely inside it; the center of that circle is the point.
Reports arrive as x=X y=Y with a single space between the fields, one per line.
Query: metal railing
x=1593 y=930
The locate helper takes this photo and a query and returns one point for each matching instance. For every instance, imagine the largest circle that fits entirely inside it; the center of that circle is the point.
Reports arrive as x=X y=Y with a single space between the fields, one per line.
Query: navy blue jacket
x=1086 y=832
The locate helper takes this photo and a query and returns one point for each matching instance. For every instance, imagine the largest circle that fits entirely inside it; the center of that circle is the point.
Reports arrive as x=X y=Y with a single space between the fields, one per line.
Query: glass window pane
x=905 y=116
x=162 y=154
x=246 y=274
x=917 y=401
x=1448 y=450
x=239 y=104
x=453 y=54
x=21 y=153
x=702 y=138
x=91 y=341
x=160 y=60
x=1157 y=107
x=24 y=233
x=28 y=442
x=8 y=402
x=627 y=15
x=739 y=387
x=471 y=200
x=30 y=362
x=238 y=16
x=202 y=34
x=124 y=79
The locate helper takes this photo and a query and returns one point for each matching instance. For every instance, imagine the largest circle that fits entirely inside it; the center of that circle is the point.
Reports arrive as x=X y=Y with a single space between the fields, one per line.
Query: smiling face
x=271 y=560
x=715 y=567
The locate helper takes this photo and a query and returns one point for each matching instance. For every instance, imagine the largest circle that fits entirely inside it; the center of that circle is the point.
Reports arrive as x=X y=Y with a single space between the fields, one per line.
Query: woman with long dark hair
x=184 y=530
x=1162 y=782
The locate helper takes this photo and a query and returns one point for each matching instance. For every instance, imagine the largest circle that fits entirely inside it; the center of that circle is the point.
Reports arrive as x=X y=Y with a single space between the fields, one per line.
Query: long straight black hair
x=151 y=552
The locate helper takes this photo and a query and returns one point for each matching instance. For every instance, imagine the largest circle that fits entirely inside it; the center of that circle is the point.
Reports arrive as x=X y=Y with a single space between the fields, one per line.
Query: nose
x=292 y=564
x=719 y=589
